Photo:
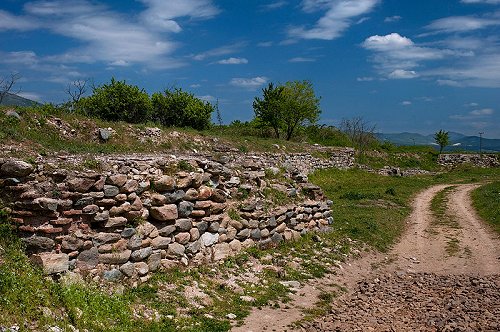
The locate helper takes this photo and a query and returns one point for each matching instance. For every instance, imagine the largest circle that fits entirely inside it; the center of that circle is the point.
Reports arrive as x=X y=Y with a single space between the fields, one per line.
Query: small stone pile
x=417 y=302
x=132 y=216
x=478 y=160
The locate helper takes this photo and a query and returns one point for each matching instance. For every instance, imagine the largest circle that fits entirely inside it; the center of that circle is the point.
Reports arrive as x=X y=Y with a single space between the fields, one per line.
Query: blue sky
x=404 y=65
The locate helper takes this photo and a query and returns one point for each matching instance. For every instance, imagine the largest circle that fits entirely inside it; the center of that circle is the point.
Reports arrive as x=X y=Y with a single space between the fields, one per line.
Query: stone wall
x=479 y=160
x=130 y=215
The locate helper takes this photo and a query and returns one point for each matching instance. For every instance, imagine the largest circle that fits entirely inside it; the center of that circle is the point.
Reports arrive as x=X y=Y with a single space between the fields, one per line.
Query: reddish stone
x=61 y=221
x=29 y=229
x=72 y=212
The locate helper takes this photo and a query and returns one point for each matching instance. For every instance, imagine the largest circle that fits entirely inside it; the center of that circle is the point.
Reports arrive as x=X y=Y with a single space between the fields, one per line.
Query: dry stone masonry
x=131 y=215
x=479 y=160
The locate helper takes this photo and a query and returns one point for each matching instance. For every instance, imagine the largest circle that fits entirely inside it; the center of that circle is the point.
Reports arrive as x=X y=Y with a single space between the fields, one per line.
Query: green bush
x=179 y=108
x=117 y=101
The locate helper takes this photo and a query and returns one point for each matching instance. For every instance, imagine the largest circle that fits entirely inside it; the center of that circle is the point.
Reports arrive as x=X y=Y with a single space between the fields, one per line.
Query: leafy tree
x=286 y=108
x=117 y=101
x=269 y=110
x=442 y=138
x=181 y=109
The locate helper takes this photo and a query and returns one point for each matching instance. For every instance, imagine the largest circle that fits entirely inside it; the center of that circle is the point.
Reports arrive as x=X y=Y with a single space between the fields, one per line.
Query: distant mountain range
x=15 y=100
x=458 y=142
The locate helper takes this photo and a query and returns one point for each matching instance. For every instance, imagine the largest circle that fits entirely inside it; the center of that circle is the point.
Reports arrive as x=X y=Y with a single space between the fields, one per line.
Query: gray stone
x=194 y=247
x=105 y=134
x=71 y=243
x=141 y=254
x=214 y=227
x=102 y=238
x=103 y=216
x=330 y=220
x=84 y=202
x=128 y=232
x=272 y=222
x=185 y=209
x=167 y=230
x=135 y=242
x=243 y=234
x=38 y=243
x=145 y=229
x=45 y=203
x=87 y=259
x=16 y=168
x=184 y=225
x=112 y=275
x=154 y=261
x=128 y=269
x=116 y=180
x=208 y=239
x=277 y=238
x=175 y=197
x=202 y=226
x=13 y=114
x=115 y=257
x=175 y=250
x=90 y=209
x=111 y=191
x=255 y=234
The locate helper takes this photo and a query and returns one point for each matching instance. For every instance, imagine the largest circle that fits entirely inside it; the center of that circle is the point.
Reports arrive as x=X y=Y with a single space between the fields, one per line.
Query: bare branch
x=77 y=89
x=6 y=85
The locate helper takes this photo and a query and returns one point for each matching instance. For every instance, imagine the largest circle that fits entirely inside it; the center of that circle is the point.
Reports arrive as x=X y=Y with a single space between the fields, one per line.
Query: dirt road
x=444 y=275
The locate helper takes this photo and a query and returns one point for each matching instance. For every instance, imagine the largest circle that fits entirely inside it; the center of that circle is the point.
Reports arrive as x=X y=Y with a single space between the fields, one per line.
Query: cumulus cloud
x=233 y=61
x=249 y=83
x=336 y=19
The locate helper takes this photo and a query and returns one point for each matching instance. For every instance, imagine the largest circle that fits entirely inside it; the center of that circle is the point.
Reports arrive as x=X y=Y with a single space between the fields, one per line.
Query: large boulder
x=16 y=168
x=51 y=263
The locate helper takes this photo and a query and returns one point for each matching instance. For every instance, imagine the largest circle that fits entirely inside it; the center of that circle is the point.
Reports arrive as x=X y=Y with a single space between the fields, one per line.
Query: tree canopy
x=442 y=138
x=285 y=108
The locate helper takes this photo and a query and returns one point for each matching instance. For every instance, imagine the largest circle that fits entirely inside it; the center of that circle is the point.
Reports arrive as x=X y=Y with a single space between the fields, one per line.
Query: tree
x=442 y=138
x=288 y=107
x=6 y=85
x=179 y=108
x=117 y=101
x=76 y=90
x=359 y=131
x=269 y=110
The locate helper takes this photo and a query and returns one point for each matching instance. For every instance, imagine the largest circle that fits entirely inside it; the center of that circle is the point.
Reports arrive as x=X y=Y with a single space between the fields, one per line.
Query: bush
x=117 y=101
x=178 y=108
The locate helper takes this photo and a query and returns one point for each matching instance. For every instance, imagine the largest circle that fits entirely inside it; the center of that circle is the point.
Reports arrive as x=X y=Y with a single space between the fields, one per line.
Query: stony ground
x=444 y=275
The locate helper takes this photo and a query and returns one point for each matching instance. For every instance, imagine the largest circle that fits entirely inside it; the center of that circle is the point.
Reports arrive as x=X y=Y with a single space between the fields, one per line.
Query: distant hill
x=15 y=100
x=458 y=142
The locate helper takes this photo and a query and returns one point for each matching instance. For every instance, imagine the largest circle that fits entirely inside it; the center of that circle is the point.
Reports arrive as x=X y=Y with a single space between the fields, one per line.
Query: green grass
x=486 y=200
x=438 y=208
x=372 y=208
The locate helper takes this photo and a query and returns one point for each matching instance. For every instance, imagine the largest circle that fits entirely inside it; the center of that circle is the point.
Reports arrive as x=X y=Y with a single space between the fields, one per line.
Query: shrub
x=117 y=101
x=179 y=108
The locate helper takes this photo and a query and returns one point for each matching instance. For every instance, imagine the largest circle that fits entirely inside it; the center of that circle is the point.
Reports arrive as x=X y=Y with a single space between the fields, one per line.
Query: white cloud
x=208 y=98
x=161 y=14
x=265 y=44
x=249 y=83
x=461 y=24
x=218 y=51
x=482 y=112
x=472 y=104
x=391 y=19
x=12 y=22
x=233 y=61
x=388 y=42
x=403 y=74
x=365 y=79
x=491 y=2
x=337 y=18
x=406 y=103
x=195 y=86
x=302 y=59
x=274 y=5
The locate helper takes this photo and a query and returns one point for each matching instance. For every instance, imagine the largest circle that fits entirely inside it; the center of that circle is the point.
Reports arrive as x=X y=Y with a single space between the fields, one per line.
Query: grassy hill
x=15 y=100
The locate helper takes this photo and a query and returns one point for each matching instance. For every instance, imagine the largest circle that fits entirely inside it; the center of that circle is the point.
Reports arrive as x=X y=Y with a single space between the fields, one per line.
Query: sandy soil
x=424 y=249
